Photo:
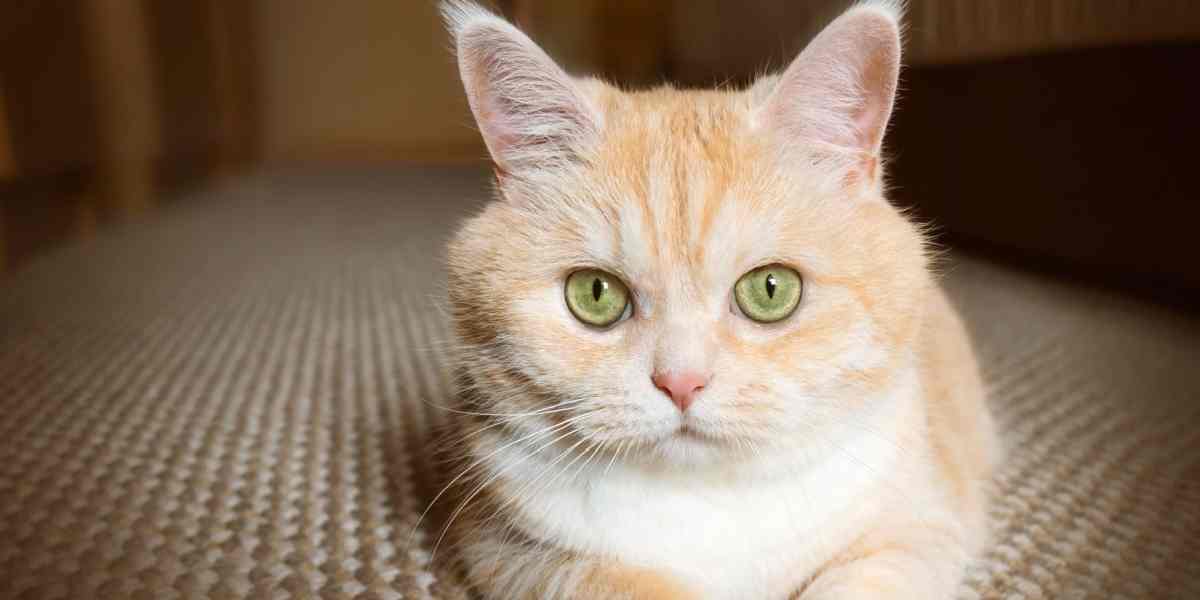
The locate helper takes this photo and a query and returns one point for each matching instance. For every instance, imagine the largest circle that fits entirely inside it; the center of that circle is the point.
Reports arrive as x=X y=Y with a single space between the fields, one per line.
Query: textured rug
x=235 y=400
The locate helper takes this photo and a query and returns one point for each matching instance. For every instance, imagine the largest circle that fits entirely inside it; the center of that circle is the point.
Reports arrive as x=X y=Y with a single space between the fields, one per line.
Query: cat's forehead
x=684 y=127
x=683 y=191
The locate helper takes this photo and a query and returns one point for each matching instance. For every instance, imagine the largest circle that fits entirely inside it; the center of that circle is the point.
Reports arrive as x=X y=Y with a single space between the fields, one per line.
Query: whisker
x=554 y=408
x=476 y=463
x=517 y=497
x=479 y=488
x=614 y=457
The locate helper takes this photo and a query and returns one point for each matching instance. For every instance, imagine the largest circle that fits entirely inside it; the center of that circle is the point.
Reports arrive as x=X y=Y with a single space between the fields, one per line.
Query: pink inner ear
x=514 y=127
x=879 y=73
x=838 y=93
x=529 y=111
x=870 y=120
x=497 y=129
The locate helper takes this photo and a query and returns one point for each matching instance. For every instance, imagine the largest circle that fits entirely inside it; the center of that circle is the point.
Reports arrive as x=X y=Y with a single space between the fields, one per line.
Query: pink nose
x=681 y=387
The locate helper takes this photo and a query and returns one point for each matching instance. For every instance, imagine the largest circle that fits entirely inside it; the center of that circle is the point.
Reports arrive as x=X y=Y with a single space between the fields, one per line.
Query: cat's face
x=597 y=300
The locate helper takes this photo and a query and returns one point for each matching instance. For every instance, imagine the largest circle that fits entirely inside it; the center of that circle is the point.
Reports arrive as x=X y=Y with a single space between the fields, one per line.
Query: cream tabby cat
x=699 y=354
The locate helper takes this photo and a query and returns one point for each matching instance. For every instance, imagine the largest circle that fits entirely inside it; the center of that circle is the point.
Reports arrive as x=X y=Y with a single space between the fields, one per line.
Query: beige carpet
x=234 y=401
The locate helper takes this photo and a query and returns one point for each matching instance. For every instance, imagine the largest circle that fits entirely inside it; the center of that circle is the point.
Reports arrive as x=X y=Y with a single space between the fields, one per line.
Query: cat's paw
x=629 y=583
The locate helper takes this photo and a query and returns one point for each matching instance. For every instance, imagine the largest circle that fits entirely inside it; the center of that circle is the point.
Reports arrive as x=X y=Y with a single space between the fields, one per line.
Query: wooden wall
x=711 y=40
x=375 y=80
x=8 y=170
x=107 y=106
x=364 y=80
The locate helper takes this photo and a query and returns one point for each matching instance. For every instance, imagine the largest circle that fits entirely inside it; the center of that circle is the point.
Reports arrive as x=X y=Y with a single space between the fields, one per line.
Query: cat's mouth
x=692 y=444
x=693 y=433
x=688 y=435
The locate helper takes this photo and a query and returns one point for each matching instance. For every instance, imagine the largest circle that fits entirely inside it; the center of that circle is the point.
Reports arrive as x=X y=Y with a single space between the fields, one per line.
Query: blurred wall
x=714 y=40
x=110 y=107
x=362 y=80
x=8 y=168
x=376 y=79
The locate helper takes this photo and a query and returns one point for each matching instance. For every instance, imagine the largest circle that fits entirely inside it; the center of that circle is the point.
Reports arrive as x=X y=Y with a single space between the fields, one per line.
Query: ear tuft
x=530 y=112
x=458 y=15
x=893 y=10
x=837 y=95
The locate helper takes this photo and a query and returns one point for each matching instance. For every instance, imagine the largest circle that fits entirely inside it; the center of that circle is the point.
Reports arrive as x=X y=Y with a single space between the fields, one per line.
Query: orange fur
x=619 y=581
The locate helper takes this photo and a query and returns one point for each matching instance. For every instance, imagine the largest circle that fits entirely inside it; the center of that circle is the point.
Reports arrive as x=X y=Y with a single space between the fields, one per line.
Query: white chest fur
x=747 y=535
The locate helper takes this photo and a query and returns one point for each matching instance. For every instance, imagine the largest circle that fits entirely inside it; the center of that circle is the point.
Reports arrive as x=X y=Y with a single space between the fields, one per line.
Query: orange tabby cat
x=699 y=354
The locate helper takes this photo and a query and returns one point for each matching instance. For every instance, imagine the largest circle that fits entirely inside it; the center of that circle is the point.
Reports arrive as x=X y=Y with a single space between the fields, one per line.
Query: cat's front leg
x=549 y=574
x=930 y=567
x=620 y=581
x=587 y=580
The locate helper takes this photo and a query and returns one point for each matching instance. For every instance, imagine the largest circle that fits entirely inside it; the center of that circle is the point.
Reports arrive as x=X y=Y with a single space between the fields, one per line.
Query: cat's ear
x=837 y=95
x=530 y=112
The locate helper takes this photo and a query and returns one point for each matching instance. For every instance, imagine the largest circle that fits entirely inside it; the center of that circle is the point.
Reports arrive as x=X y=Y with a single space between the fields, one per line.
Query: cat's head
x=689 y=276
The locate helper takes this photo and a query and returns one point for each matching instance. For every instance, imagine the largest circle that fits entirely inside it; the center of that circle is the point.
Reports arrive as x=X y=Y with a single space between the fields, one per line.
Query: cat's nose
x=681 y=387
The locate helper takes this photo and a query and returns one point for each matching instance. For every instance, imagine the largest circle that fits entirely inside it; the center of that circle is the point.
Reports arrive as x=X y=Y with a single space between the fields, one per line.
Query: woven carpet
x=235 y=399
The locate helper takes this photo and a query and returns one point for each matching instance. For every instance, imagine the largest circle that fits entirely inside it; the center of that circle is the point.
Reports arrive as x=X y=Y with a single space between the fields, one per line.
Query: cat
x=698 y=353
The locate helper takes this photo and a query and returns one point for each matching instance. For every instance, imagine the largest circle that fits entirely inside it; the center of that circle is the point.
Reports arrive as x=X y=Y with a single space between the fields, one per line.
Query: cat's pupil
x=771 y=285
x=597 y=288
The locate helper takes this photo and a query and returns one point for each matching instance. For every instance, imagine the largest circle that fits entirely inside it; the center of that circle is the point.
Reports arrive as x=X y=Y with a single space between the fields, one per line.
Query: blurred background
x=1057 y=133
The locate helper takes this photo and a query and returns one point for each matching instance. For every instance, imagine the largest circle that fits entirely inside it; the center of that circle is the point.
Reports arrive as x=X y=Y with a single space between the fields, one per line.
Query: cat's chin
x=690 y=446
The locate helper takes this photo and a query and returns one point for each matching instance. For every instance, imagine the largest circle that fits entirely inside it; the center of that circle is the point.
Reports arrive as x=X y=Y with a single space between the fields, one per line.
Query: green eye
x=596 y=298
x=768 y=294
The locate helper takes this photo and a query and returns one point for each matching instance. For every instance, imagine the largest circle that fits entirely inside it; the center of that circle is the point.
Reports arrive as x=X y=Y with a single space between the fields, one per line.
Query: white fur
x=755 y=533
